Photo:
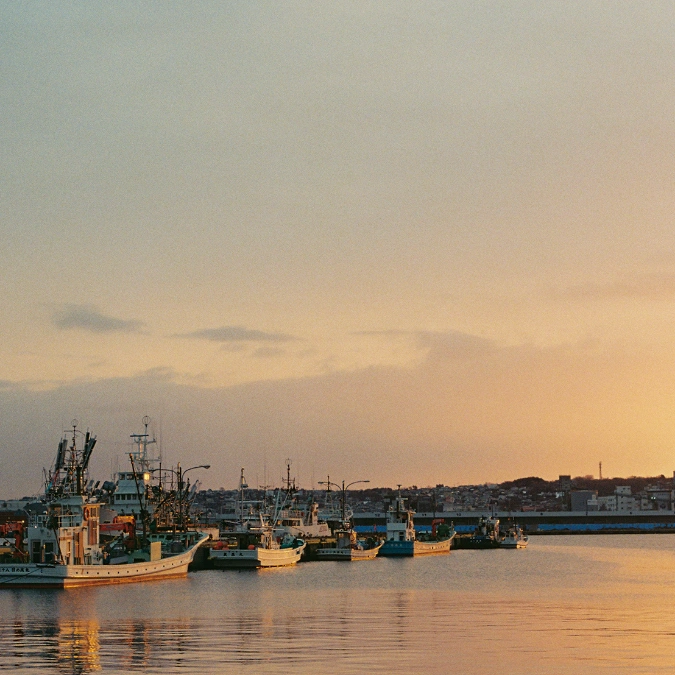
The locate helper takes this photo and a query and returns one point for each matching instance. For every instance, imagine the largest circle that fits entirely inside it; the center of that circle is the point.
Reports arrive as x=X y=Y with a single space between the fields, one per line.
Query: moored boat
x=303 y=523
x=402 y=539
x=514 y=538
x=485 y=535
x=251 y=544
x=252 y=547
x=63 y=575
x=63 y=549
x=298 y=520
x=348 y=547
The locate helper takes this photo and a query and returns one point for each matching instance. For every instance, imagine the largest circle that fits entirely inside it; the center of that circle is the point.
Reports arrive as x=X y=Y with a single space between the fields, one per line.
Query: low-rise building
x=584 y=500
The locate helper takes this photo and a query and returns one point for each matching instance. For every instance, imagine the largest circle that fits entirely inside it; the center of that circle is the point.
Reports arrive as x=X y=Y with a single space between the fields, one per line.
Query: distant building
x=607 y=503
x=584 y=500
x=623 y=501
x=659 y=498
x=565 y=483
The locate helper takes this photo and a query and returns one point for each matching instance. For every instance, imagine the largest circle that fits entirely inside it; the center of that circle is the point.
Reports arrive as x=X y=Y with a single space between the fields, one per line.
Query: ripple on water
x=562 y=606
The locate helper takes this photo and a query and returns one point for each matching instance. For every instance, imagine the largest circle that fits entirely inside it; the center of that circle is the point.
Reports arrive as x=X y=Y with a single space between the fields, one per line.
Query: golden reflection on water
x=78 y=647
x=563 y=606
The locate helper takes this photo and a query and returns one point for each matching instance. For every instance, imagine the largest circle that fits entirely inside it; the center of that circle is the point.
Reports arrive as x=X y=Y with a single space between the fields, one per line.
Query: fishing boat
x=348 y=547
x=252 y=547
x=298 y=520
x=303 y=523
x=133 y=490
x=514 y=538
x=485 y=535
x=251 y=542
x=402 y=539
x=63 y=548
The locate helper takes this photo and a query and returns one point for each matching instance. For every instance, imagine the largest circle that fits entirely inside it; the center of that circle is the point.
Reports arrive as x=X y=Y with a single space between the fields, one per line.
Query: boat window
x=37 y=551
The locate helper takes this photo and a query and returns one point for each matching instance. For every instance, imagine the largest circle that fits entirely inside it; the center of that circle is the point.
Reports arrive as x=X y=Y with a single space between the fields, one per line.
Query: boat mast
x=242 y=486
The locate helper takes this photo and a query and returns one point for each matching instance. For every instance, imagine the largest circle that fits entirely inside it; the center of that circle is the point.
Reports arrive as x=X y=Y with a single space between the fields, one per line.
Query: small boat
x=401 y=537
x=514 y=538
x=63 y=549
x=298 y=520
x=251 y=544
x=348 y=547
x=303 y=523
x=252 y=547
x=486 y=534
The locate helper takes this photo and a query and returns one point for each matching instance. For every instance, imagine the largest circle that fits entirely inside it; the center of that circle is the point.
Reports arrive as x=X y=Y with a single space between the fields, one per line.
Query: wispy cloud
x=646 y=287
x=438 y=342
x=385 y=333
x=87 y=317
x=237 y=334
x=268 y=352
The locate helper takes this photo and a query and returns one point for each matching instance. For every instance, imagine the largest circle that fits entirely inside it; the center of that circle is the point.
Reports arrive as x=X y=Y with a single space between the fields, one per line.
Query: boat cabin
x=69 y=535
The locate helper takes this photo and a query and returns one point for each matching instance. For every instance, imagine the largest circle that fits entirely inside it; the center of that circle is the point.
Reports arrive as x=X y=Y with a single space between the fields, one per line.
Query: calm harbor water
x=567 y=604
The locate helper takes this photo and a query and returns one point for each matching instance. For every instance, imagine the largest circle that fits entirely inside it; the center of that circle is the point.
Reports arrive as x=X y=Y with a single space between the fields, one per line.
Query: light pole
x=180 y=475
x=344 y=489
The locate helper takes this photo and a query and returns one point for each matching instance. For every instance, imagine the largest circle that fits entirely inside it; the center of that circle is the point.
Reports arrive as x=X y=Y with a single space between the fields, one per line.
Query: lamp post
x=180 y=475
x=344 y=489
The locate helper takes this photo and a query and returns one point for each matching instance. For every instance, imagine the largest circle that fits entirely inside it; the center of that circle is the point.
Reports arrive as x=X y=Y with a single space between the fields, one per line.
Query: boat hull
x=348 y=554
x=256 y=557
x=411 y=548
x=480 y=543
x=32 y=575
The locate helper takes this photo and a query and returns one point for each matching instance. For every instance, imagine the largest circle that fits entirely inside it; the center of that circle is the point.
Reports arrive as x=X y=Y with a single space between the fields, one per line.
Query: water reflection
x=562 y=606
x=69 y=646
x=78 y=647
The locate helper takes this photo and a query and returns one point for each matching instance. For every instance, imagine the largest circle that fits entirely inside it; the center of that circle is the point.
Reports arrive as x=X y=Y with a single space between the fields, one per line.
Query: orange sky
x=411 y=244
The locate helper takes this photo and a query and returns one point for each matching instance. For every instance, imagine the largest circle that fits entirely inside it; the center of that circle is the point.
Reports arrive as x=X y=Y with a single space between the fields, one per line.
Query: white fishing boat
x=252 y=547
x=303 y=523
x=63 y=548
x=134 y=485
x=252 y=542
x=59 y=574
x=348 y=547
x=289 y=517
x=514 y=538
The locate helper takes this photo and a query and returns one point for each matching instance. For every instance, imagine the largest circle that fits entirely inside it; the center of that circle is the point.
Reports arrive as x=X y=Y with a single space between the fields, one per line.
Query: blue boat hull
x=410 y=548
x=398 y=548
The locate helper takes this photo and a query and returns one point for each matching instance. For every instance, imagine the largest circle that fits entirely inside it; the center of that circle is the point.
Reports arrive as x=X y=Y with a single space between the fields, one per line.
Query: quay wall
x=538 y=522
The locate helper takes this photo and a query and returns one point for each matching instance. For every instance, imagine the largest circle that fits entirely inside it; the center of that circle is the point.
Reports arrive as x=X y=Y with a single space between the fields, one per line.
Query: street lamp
x=180 y=475
x=344 y=489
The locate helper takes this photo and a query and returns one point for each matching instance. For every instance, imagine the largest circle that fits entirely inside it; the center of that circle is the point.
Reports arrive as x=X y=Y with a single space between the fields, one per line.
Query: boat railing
x=38 y=520
x=69 y=520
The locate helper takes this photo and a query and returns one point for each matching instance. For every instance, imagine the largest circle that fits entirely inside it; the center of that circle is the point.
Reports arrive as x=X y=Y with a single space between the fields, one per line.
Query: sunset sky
x=413 y=243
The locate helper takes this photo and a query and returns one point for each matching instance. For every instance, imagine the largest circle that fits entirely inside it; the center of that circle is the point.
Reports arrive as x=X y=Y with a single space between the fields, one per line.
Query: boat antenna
x=242 y=486
x=289 y=488
x=140 y=496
